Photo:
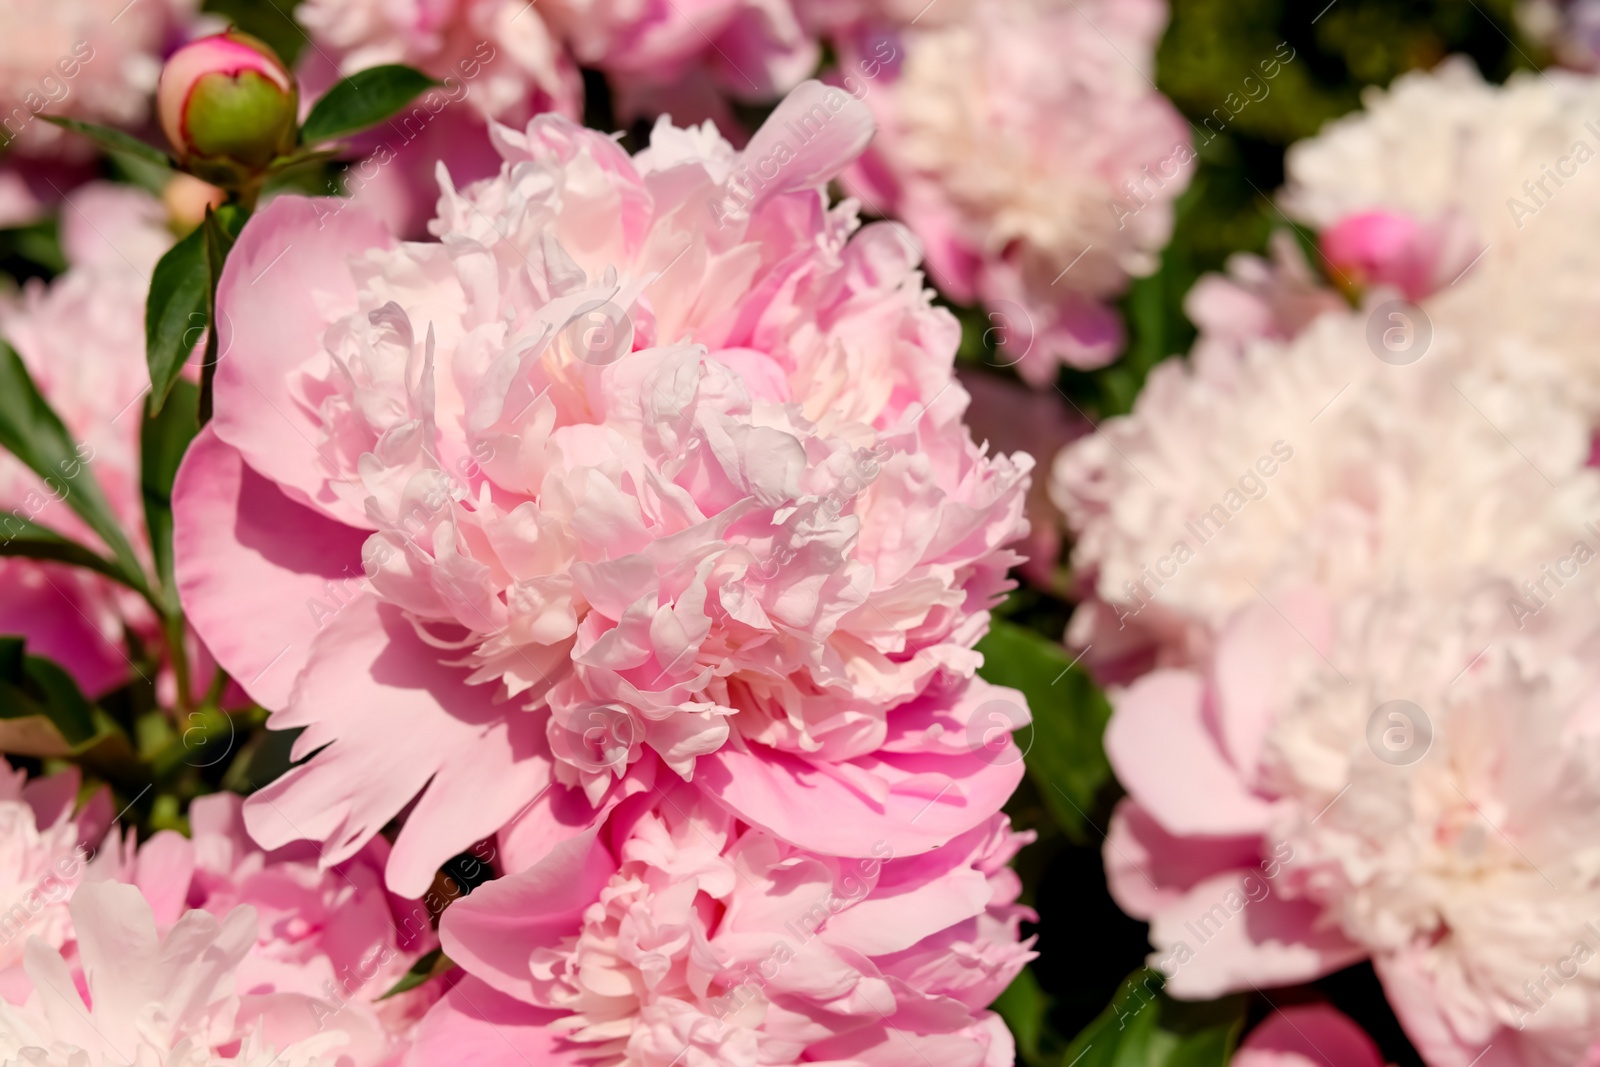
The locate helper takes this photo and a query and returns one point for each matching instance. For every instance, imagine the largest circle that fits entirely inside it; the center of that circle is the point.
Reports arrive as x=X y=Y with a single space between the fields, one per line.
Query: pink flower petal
x=287 y=277
x=1162 y=752
x=368 y=673
x=475 y=1026
x=494 y=931
x=1236 y=931
x=920 y=802
x=1308 y=1035
x=253 y=567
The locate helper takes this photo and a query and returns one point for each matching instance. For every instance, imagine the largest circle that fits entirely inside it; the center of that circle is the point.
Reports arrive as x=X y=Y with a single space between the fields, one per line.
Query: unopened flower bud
x=228 y=105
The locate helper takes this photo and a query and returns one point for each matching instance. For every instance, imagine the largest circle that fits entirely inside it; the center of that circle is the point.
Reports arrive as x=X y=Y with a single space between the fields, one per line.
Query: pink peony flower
x=96 y=60
x=330 y=943
x=1257 y=298
x=1026 y=148
x=82 y=339
x=498 y=54
x=647 y=469
x=1316 y=461
x=678 y=934
x=1307 y=1035
x=165 y=1001
x=1408 y=777
x=44 y=852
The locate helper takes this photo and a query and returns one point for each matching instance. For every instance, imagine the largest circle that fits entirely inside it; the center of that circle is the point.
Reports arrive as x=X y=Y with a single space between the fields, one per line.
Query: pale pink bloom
x=1307 y=1035
x=1257 y=298
x=135 y=995
x=95 y=60
x=1028 y=151
x=496 y=60
x=82 y=338
x=1406 y=777
x=498 y=54
x=679 y=935
x=44 y=850
x=330 y=942
x=648 y=467
x=754 y=50
x=1313 y=460
x=1502 y=183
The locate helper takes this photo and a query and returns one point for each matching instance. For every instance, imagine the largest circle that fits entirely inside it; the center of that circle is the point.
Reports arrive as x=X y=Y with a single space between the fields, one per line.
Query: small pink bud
x=1387 y=248
x=1381 y=248
x=228 y=105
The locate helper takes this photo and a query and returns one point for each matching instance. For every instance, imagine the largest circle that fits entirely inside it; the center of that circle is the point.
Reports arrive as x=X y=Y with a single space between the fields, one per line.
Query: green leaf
x=34 y=686
x=363 y=99
x=1026 y=1010
x=1064 y=754
x=182 y=293
x=114 y=141
x=163 y=438
x=175 y=313
x=429 y=966
x=24 y=537
x=221 y=228
x=1143 y=1027
x=34 y=433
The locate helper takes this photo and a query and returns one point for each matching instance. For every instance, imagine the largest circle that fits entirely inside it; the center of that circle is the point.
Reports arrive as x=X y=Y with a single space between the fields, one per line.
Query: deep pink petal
x=493 y=932
x=63 y=619
x=1308 y=1035
x=475 y=1026
x=253 y=568
x=924 y=800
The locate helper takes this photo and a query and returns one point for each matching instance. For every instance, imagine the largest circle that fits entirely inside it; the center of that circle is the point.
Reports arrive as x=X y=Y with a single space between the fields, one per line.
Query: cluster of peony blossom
x=1357 y=720
x=1022 y=143
x=637 y=550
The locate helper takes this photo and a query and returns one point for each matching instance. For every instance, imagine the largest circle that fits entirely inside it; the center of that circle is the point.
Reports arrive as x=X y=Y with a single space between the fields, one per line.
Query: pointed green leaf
x=1143 y=1027
x=34 y=686
x=114 y=141
x=24 y=537
x=1063 y=747
x=363 y=99
x=430 y=965
x=32 y=431
x=175 y=313
x=221 y=229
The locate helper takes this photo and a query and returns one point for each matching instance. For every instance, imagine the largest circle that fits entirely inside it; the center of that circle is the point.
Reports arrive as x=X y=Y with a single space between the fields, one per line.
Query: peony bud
x=1389 y=248
x=228 y=106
